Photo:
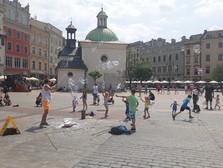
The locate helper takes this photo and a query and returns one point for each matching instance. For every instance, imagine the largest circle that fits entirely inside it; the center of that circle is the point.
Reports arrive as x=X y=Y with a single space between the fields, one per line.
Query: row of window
x=158 y=59
x=165 y=69
x=19 y=35
x=39 y=52
x=208 y=46
x=16 y=62
x=18 y=48
x=207 y=58
x=40 y=66
x=207 y=71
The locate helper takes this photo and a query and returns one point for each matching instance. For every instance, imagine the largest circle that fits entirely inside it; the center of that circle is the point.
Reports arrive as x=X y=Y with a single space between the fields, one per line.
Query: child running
x=174 y=107
x=146 y=107
x=217 y=102
x=106 y=98
x=74 y=103
x=183 y=107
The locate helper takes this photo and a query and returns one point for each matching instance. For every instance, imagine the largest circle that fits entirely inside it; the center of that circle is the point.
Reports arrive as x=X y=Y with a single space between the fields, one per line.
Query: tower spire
x=102 y=19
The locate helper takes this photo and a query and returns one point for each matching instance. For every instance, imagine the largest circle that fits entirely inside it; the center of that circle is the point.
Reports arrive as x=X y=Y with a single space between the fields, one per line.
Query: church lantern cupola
x=71 y=36
x=102 y=19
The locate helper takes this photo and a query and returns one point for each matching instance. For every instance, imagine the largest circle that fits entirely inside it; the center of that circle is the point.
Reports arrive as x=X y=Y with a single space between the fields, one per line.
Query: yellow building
x=46 y=42
x=211 y=52
x=39 y=49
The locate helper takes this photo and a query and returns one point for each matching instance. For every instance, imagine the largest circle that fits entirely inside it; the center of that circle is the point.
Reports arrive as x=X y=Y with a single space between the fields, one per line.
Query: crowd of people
x=131 y=102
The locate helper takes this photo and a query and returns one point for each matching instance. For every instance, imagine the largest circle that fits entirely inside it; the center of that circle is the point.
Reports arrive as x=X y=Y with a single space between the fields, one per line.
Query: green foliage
x=217 y=73
x=142 y=72
x=95 y=75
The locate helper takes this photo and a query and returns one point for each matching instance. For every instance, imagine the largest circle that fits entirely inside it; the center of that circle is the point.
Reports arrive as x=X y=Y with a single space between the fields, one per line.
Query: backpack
x=118 y=130
x=151 y=96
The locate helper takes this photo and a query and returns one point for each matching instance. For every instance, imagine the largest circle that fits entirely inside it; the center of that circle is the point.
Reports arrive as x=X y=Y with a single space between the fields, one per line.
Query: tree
x=95 y=75
x=142 y=72
x=217 y=73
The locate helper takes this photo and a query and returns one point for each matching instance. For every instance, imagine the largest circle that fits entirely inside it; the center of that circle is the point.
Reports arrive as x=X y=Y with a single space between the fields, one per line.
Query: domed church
x=101 y=51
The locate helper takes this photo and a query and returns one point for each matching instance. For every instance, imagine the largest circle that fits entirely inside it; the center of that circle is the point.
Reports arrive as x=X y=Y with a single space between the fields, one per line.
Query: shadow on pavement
x=34 y=129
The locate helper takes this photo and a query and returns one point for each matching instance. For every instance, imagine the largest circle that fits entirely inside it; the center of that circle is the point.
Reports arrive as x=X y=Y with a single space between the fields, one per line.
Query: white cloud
x=209 y=8
x=131 y=20
x=215 y=27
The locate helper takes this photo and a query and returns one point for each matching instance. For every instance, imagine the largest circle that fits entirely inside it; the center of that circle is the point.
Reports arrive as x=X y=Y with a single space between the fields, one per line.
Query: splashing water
x=83 y=81
x=119 y=86
x=73 y=87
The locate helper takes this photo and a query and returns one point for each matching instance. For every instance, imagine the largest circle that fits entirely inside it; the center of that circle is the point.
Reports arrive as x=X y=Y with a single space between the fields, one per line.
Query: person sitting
x=7 y=100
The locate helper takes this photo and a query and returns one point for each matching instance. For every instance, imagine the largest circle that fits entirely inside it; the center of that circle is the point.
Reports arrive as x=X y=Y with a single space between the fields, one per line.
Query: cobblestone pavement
x=158 y=141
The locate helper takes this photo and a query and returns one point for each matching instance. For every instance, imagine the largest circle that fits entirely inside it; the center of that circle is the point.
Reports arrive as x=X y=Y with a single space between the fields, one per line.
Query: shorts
x=146 y=109
x=183 y=108
x=106 y=106
x=132 y=115
x=208 y=98
x=45 y=104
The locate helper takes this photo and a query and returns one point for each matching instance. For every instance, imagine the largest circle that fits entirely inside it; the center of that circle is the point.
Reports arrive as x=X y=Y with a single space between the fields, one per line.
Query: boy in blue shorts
x=133 y=104
x=183 y=107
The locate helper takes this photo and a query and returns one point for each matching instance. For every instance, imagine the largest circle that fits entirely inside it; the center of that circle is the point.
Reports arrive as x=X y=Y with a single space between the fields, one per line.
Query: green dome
x=101 y=34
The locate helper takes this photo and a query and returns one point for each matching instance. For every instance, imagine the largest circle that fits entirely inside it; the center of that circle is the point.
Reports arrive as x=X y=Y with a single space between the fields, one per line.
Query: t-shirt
x=185 y=102
x=146 y=103
x=132 y=101
x=95 y=89
x=46 y=94
x=195 y=92
x=209 y=91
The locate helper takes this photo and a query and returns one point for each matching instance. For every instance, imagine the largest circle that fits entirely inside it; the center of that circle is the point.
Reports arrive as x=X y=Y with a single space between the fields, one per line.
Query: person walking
x=209 y=94
x=95 y=93
x=217 y=102
x=195 y=95
x=133 y=104
x=146 y=102
x=106 y=98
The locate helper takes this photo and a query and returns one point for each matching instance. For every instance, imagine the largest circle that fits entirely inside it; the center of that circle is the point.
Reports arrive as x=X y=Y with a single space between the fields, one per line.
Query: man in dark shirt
x=209 y=93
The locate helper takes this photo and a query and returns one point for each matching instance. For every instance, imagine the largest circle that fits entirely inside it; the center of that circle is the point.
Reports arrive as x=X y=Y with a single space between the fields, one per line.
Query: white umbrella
x=178 y=81
x=2 y=78
x=164 y=82
x=213 y=82
x=127 y=81
x=201 y=82
x=32 y=79
x=188 y=81
x=149 y=81
x=156 y=81
x=53 y=80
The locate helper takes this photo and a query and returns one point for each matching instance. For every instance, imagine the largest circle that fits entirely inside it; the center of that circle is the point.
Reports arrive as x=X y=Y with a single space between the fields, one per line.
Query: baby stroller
x=39 y=100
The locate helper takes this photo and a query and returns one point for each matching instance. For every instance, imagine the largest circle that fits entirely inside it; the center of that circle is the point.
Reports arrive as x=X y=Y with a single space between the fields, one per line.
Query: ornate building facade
x=100 y=51
x=17 y=39
x=2 y=44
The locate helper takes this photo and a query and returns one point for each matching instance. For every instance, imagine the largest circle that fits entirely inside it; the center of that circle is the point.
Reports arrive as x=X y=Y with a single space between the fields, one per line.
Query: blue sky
x=133 y=20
